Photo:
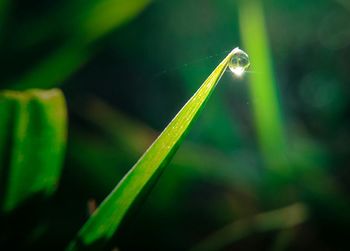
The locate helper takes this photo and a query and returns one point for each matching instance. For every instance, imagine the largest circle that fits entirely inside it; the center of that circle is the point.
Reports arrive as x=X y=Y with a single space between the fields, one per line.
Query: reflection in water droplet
x=239 y=62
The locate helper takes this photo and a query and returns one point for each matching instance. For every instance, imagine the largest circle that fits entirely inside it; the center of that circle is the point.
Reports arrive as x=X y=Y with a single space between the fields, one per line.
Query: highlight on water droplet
x=239 y=62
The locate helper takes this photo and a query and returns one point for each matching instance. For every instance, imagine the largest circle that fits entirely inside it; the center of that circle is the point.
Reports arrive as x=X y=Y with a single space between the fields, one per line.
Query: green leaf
x=32 y=144
x=107 y=218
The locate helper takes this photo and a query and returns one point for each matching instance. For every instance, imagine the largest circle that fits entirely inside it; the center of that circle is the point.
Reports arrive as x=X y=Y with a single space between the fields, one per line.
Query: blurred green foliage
x=290 y=112
x=33 y=136
x=84 y=25
x=263 y=91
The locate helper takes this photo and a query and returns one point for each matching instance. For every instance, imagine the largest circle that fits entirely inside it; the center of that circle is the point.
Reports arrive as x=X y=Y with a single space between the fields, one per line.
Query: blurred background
x=265 y=166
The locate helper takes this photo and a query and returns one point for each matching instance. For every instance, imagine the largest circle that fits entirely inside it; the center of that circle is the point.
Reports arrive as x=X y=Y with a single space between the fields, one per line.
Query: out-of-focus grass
x=86 y=23
x=278 y=219
x=33 y=135
x=263 y=92
x=303 y=170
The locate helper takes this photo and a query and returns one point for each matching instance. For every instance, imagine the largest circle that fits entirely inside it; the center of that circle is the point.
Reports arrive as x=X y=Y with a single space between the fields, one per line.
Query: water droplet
x=239 y=62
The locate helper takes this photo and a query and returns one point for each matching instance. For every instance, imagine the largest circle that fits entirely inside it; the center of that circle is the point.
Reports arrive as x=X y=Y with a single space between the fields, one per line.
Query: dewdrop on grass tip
x=239 y=62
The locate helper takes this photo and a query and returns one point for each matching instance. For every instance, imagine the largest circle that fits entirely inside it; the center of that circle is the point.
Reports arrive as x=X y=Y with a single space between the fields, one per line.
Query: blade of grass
x=33 y=130
x=107 y=218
